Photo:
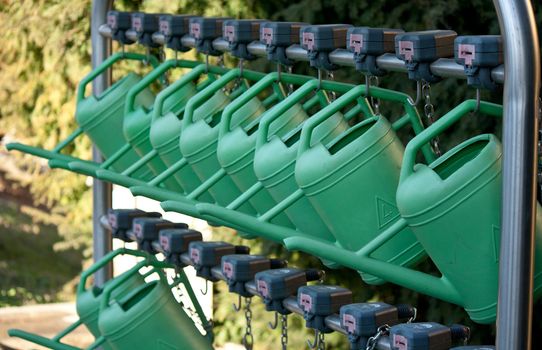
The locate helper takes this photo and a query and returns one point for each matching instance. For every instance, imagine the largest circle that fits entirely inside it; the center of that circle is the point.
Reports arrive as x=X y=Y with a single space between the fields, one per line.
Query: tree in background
x=46 y=50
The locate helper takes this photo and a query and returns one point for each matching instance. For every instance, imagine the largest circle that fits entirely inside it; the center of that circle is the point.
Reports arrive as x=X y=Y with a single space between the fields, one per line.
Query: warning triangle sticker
x=387 y=212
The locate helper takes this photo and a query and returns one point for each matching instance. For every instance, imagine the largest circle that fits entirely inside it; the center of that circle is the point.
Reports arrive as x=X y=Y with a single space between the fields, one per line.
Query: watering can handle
x=281 y=108
x=206 y=94
x=171 y=89
x=150 y=261
x=440 y=126
x=239 y=102
x=104 y=261
x=106 y=65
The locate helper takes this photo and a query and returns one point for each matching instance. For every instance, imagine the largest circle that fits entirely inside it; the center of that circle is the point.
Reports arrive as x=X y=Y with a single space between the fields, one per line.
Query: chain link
x=162 y=58
x=290 y=86
x=429 y=111
x=373 y=341
x=375 y=102
x=248 y=338
x=284 y=332
x=220 y=61
x=321 y=341
x=331 y=76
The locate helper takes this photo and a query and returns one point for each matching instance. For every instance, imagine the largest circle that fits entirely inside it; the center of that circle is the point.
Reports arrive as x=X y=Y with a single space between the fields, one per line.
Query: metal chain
x=429 y=111
x=331 y=76
x=414 y=315
x=290 y=86
x=162 y=58
x=220 y=61
x=373 y=341
x=248 y=338
x=375 y=102
x=284 y=332
x=321 y=341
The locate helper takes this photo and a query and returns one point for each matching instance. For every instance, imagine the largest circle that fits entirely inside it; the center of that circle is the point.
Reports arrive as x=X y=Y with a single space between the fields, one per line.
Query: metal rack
x=520 y=125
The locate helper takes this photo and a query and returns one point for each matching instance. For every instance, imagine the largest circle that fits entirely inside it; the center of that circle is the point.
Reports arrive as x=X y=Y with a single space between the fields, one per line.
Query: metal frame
x=521 y=89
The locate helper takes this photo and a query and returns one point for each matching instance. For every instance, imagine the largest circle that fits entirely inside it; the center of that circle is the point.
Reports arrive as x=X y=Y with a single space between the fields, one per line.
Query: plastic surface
x=420 y=336
x=119 y=22
x=321 y=39
x=145 y=24
x=205 y=30
x=174 y=27
x=479 y=54
x=277 y=36
x=121 y=221
x=319 y=301
x=239 y=33
x=241 y=268
x=276 y=285
x=205 y=255
x=146 y=231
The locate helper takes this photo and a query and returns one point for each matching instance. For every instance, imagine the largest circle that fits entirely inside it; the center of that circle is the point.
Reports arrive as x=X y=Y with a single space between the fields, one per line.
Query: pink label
x=164 y=27
x=136 y=24
x=308 y=41
x=195 y=30
x=349 y=322
x=164 y=242
x=227 y=269
x=112 y=21
x=400 y=342
x=229 y=33
x=262 y=288
x=267 y=35
x=356 y=42
x=194 y=255
x=112 y=219
x=138 y=230
x=305 y=301
x=467 y=52
x=406 y=48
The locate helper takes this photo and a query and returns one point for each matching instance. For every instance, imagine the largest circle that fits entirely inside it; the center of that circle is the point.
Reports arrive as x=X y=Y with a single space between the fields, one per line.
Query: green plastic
x=148 y=318
x=352 y=180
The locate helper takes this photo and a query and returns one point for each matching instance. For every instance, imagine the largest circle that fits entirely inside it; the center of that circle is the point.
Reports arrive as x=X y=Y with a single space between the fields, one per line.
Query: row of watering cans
x=135 y=311
x=324 y=175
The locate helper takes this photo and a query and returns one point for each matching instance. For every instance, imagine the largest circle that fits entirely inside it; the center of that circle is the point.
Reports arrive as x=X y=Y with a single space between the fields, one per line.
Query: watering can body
x=149 y=318
x=137 y=125
x=101 y=118
x=351 y=181
x=199 y=140
x=453 y=207
x=236 y=153
x=274 y=166
x=88 y=301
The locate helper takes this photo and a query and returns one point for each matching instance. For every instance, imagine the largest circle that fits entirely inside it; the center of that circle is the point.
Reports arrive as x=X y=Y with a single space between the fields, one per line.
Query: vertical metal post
x=522 y=72
x=101 y=191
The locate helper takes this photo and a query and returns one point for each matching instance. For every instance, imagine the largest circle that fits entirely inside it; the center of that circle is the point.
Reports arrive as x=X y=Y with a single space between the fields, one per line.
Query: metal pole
x=522 y=71
x=101 y=191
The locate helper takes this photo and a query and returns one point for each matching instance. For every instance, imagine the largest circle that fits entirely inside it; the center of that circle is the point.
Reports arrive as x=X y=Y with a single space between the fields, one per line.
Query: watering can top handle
x=343 y=101
x=207 y=93
x=104 y=261
x=281 y=108
x=446 y=121
x=106 y=65
x=150 y=261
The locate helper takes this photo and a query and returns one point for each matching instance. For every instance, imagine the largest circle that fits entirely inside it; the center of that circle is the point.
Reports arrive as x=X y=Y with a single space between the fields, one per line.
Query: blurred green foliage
x=45 y=50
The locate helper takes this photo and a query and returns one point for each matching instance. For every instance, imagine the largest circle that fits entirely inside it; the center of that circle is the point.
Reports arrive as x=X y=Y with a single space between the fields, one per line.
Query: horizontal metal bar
x=444 y=67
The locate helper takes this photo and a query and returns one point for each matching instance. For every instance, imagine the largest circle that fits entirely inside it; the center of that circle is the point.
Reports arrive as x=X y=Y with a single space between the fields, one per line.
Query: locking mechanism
x=239 y=33
x=174 y=27
x=479 y=54
x=145 y=25
x=277 y=37
x=363 y=320
x=175 y=242
x=146 y=231
x=367 y=44
x=204 y=30
x=320 y=41
x=419 y=49
x=206 y=255
x=120 y=22
x=319 y=301
x=426 y=336
x=121 y=221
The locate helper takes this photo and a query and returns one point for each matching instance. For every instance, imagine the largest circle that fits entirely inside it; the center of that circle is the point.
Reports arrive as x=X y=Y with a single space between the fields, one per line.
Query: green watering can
x=237 y=143
x=352 y=180
x=88 y=300
x=148 y=318
x=101 y=118
x=453 y=208
x=274 y=162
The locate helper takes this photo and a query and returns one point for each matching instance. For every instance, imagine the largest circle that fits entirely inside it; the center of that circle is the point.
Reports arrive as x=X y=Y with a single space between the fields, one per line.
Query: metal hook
x=477 y=100
x=322 y=278
x=276 y=322
x=241 y=65
x=206 y=290
x=279 y=72
x=237 y=306
x=314 y=343
x=418 y=94
x=319 y=78
x=367 y=84
x=414 y=315
x=207 y=63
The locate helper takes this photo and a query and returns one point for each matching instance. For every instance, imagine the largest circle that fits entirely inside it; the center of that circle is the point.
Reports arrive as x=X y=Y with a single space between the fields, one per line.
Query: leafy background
x=45 y=50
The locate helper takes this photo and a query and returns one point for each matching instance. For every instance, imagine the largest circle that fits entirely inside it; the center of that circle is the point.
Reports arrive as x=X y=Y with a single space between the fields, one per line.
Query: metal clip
x=373 y=341
x=237 y=307
x=274 y=324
